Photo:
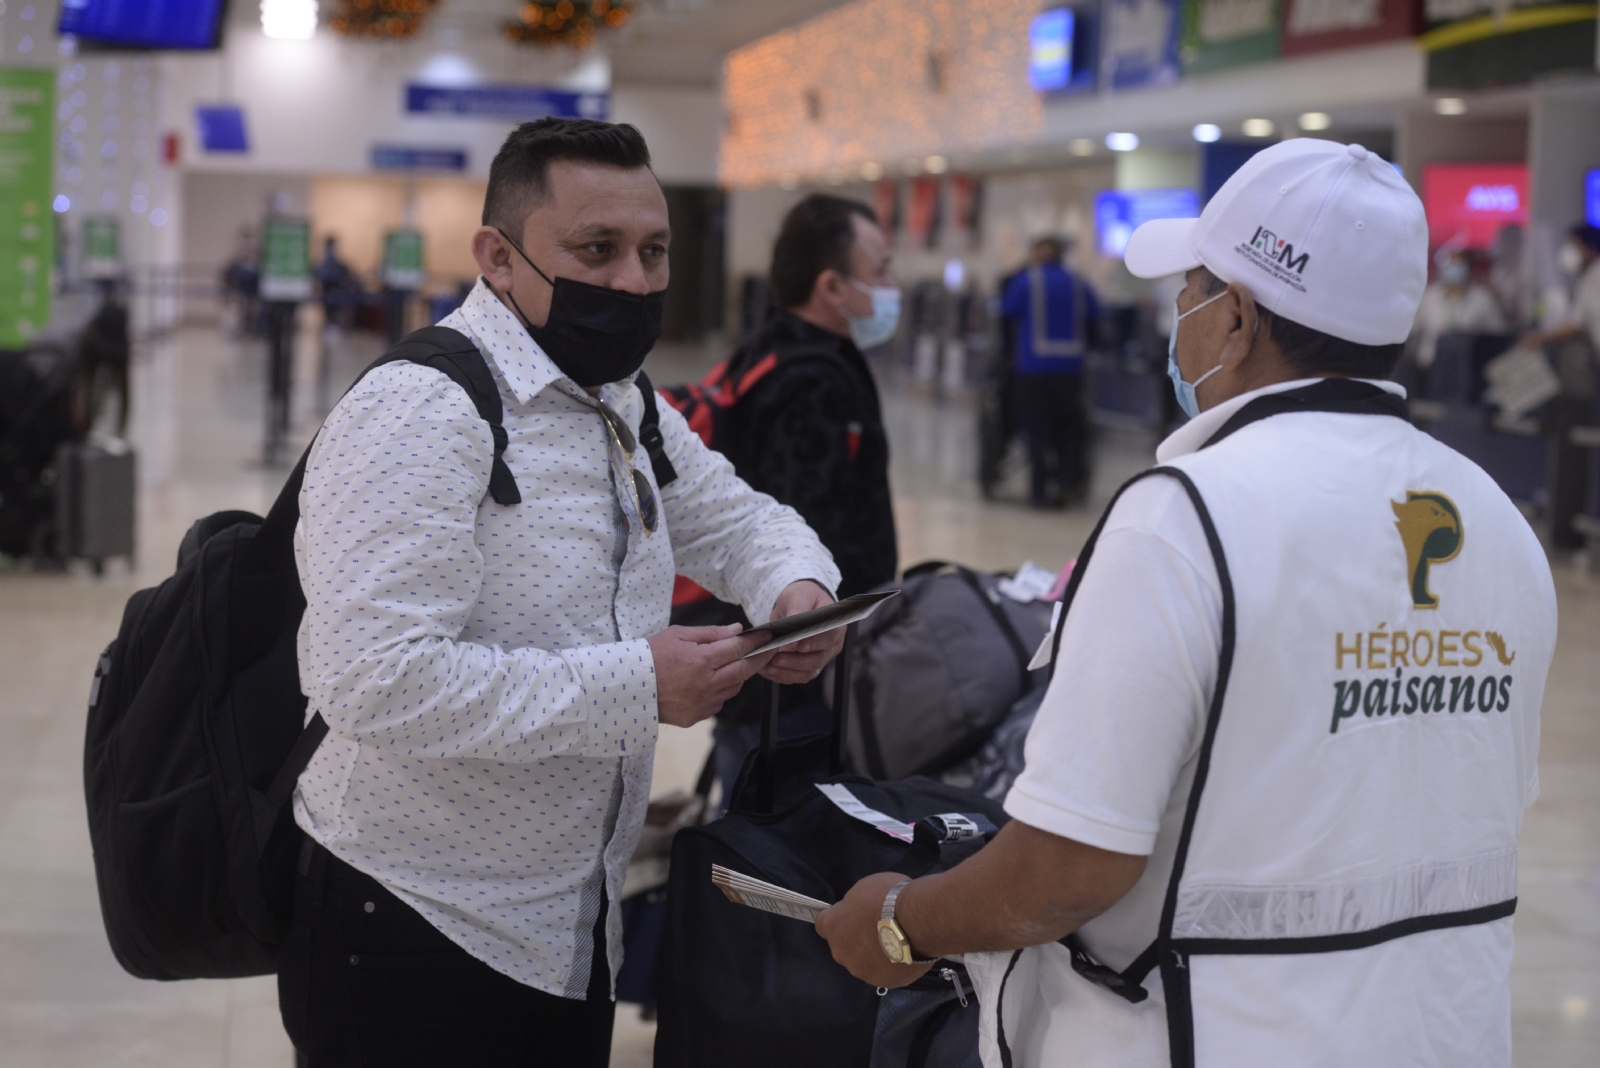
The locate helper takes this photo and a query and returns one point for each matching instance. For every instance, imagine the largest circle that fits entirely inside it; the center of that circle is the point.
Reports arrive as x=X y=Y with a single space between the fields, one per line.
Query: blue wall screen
x=161 y=24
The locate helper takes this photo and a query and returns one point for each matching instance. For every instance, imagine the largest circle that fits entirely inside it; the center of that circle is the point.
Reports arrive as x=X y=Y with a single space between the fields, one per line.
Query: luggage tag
x=945 y=827
x=1046 y=651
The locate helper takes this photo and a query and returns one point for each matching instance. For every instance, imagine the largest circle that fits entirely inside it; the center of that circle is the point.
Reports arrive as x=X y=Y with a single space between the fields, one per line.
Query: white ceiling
x=674 y=41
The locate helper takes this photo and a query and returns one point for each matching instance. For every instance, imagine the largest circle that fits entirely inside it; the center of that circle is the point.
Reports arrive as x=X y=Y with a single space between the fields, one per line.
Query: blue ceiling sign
x=1591 y=197
x=518 y=102
x=1118 y=213
x=222 y=129
x=415 y=158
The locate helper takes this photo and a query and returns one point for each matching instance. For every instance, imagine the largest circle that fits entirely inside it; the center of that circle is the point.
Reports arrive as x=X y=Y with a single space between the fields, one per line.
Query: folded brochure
x=803 y=625
x=742 y=889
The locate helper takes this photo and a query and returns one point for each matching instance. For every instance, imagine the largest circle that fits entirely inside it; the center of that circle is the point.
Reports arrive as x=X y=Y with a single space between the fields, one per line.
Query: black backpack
x=196 y=729
x=738 y=986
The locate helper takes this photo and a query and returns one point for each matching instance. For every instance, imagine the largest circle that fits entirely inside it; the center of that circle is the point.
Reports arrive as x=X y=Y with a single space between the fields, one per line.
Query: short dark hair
x=1587 y=234
x=817 y=234
x=518 y=177
x=1314 y=352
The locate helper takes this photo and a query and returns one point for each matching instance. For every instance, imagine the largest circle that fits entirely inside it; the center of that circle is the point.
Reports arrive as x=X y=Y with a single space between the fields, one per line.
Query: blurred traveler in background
x=241 y=283
x=1572 y=344
x=808 y=428
x=1507 y=275
x=338 y=285
x=1579 y=260
x=1453 y=304
x=104 y=353
x=1055 y=315
x=494 y=663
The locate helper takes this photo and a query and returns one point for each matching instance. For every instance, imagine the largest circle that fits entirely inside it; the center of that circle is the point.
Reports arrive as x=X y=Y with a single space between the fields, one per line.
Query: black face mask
x=594 y=335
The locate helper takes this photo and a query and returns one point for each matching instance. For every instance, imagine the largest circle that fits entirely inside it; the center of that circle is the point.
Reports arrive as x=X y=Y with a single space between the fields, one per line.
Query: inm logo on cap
x=1276 y=256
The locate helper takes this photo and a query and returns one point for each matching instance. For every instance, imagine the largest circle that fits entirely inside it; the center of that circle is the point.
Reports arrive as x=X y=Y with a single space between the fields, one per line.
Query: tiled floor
x=64 y=1001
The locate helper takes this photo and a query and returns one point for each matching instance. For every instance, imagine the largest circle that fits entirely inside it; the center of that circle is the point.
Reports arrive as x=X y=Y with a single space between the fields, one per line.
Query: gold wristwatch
x=893 y=940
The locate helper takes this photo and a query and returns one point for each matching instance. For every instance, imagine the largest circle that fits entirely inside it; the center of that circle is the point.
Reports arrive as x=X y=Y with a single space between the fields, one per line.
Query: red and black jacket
x=796 y=410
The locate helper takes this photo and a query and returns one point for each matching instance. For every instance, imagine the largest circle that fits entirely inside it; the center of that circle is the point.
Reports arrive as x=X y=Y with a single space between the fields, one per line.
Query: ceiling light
x=1258 y=127
x=1315 y=120
x=935 y=165
x=1207 y=132
x=289 y=20
x=1450 y=105
x=1122 y=142
x=871 y=172
x=1082 y=147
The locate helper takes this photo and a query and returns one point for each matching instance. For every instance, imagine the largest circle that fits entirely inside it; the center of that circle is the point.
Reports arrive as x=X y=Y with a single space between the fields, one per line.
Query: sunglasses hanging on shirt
x=644 y=510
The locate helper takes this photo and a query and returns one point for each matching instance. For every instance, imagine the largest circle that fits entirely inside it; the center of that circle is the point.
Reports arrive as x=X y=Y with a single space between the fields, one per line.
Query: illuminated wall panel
x=878 y=82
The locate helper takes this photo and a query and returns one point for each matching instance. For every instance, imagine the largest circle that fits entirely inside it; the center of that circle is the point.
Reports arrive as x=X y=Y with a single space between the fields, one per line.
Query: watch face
x=890 y=942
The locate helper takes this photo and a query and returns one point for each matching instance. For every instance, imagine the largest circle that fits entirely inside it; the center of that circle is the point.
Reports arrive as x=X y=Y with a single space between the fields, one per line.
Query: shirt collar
x=1196 y=432
x=503 y=338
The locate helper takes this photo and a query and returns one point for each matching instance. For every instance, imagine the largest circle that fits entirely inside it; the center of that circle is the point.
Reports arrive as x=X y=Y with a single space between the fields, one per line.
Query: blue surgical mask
x=1185 y=390
x=878 y=327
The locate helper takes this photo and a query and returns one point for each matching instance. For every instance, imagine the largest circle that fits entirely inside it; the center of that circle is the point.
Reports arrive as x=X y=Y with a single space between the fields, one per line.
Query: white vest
x=1347 y=867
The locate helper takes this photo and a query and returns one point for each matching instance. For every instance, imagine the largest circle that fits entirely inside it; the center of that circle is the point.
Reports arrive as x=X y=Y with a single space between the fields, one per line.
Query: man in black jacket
x=808 y=428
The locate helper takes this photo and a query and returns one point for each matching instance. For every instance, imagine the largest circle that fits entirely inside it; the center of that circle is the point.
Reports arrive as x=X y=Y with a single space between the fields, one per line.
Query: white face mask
x=879 y=326
x=1570 y=260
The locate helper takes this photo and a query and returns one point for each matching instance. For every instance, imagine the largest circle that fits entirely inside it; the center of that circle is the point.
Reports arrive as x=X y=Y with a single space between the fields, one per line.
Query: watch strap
x=890 y=897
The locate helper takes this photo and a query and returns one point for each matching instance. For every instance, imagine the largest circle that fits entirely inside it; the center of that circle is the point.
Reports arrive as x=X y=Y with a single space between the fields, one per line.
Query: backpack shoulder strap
x=453 y=354
x=650 y=434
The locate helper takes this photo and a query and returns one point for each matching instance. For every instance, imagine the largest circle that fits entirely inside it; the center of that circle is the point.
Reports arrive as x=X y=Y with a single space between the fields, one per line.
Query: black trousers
x=1051 y=412
x=366 y=982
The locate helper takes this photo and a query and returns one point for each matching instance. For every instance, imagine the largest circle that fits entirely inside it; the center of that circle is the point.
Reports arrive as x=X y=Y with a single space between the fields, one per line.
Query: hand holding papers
x=743 y=890
x=802 y=625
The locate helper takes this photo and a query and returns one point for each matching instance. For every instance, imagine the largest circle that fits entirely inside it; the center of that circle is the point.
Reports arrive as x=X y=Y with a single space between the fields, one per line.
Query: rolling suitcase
x=95 y=497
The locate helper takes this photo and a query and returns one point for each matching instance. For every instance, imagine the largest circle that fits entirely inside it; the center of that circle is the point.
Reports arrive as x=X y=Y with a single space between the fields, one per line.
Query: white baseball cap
x=1324 y=234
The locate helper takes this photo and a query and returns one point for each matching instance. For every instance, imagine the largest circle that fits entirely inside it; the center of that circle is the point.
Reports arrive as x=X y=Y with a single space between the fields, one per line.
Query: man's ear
x=828 y=285
x=493 y=254
x=1242 y=338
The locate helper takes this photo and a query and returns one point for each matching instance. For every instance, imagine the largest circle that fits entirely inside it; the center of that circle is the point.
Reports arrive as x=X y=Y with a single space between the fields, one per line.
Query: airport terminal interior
x=248 y=202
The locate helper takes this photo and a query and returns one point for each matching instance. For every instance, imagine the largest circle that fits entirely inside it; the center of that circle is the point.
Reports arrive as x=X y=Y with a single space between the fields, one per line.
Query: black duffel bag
x=741 y=987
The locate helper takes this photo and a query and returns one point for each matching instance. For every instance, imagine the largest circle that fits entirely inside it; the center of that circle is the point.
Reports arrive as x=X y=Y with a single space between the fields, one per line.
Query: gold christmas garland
x=571 y=23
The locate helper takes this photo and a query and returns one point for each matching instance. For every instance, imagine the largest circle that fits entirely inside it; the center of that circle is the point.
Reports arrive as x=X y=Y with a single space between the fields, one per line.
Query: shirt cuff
x=1047 y=815
x=821 y=571
x=619 y=687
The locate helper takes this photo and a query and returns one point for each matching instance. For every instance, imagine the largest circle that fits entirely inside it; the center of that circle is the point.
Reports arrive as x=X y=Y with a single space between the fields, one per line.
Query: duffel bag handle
x=765 y=785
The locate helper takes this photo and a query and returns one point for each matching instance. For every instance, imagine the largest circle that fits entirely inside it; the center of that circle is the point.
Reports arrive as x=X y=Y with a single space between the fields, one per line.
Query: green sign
x=1226 y=33
x=286 y=260
x=27 y=233
x=102 y=247
x=402 y=259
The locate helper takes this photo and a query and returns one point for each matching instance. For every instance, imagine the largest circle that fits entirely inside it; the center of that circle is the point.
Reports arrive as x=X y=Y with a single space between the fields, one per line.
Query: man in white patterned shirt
x=493 y=675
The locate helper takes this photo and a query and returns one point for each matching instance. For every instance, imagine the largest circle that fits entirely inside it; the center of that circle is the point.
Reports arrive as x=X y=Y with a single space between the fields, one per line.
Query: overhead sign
x=1476 y=43
x=1119 y=212
x=221 y=129
x=1050 y=50
x=286 y=260
x=414 y=158
x=1323 y=25
x=1227 y=33
x=27 y=233
x=516 y=102
x=1591 y=197
x=1141 y=43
